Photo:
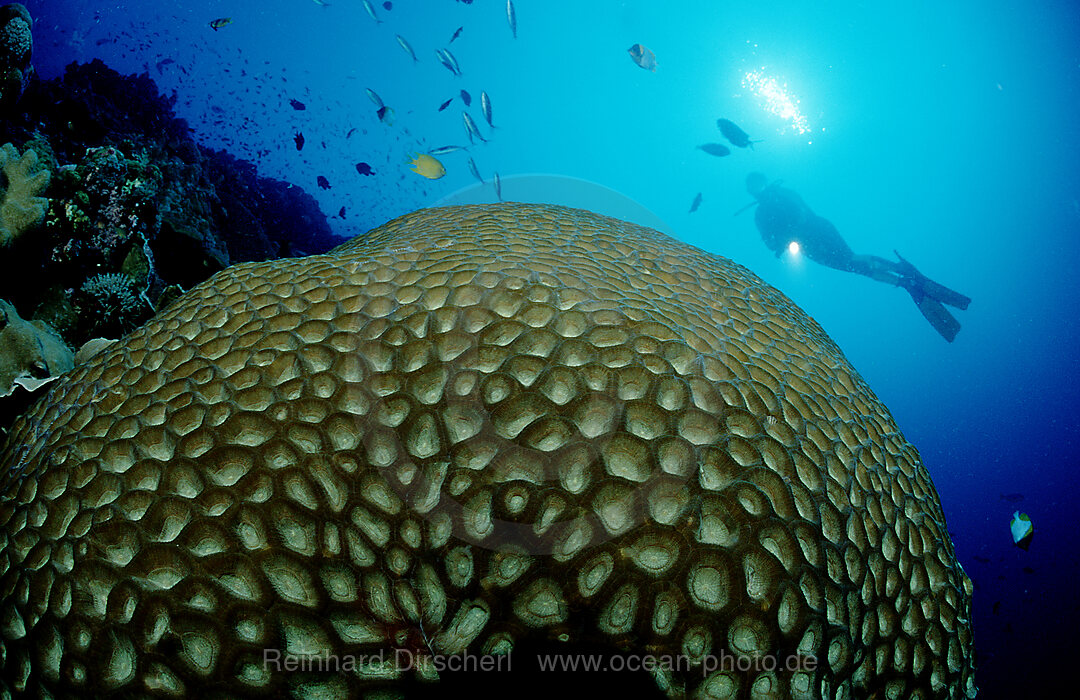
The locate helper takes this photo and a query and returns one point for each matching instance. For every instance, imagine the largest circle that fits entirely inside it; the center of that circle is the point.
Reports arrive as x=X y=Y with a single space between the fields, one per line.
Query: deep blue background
x=947 y=132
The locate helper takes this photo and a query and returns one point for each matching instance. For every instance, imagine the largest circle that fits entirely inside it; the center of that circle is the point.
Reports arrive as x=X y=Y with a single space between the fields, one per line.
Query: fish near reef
x=715 y=149
x=280 y=441
x=475 y=170
x=485 y=108
x=220 y=22
x=734 y=134
x=443 y=150
x=643 y=57
x=370 y=10
x=470 y=128
x=406 y=47
x=298 y=139
x=427 y=166
x=364 y=169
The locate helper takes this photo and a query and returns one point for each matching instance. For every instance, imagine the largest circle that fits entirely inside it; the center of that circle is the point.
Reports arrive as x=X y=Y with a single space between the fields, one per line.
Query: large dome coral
x=473 y=427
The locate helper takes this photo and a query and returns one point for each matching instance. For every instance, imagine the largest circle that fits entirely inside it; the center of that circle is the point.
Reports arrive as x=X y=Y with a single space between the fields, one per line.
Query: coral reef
x=472 y=429
x=133 y=195
x=16 y=50
x=110 y=304
x=31 y=355
x=21 y=207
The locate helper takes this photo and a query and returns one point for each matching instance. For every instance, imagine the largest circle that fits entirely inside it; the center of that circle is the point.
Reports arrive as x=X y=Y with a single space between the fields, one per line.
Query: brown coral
x=474 y=427
x=22 y=206
x=30 y=353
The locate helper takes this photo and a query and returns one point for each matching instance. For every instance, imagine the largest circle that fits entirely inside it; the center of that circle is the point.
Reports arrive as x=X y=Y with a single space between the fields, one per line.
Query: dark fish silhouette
x=734 y=134
x=696 y=203
x=364 y=169
x=323 y=182
x=1012 y=497
x=996 y=606
x=456 y=35
x=446 y=104
x=643 y=57
x=341 y=212
x=466 y=98
x=388 y=5
x=982 y=560
x=715 y=149
x=299 y=139
x=297 y=105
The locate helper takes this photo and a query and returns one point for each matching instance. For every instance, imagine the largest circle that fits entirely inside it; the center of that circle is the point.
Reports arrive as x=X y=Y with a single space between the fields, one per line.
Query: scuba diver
x=783 y=218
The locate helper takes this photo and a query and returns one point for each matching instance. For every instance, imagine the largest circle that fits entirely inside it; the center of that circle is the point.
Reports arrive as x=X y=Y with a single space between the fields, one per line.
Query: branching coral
x=110 y=302
x=22 y=206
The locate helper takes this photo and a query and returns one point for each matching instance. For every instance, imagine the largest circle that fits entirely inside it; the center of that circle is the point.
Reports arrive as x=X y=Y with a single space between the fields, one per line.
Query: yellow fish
x=219 y=23
x=429 y=167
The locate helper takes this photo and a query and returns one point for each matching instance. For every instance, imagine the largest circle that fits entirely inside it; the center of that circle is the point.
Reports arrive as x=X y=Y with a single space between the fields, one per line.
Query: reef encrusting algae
x=475 y=427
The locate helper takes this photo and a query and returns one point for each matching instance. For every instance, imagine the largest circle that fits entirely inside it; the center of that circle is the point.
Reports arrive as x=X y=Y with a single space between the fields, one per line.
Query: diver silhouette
x=783 y=217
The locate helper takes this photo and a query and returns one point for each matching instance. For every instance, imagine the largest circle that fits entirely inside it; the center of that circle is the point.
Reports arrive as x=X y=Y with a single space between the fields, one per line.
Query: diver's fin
x=936 y=313
x=931 y=288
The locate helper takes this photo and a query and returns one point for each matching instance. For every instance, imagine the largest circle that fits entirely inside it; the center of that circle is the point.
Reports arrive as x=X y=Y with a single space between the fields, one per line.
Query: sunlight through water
x=777 y=100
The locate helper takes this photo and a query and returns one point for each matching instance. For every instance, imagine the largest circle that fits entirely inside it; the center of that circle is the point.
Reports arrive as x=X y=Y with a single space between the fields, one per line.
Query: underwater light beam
x=777 y=100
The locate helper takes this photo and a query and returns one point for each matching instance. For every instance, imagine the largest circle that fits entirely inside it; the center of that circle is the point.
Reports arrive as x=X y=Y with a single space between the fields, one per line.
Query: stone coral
x=22 y=206
x=472 y=429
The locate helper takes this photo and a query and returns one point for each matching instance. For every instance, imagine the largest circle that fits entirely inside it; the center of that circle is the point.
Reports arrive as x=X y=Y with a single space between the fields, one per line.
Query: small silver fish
x=443 y=150
x=475 y=170
x=453 y=62
x=470 y=128
x=498 y=187
x=386 y=115
x=405 y=45
x=511 y=16
x=447 y=59
x=370 y=10
x=374 y=98
x=485 y=107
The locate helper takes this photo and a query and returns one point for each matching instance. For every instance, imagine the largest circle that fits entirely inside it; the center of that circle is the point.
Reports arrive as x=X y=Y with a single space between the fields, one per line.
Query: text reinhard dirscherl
x=404 y=660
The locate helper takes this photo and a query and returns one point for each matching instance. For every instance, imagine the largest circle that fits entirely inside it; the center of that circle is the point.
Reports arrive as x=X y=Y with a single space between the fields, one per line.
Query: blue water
x=945 y=130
